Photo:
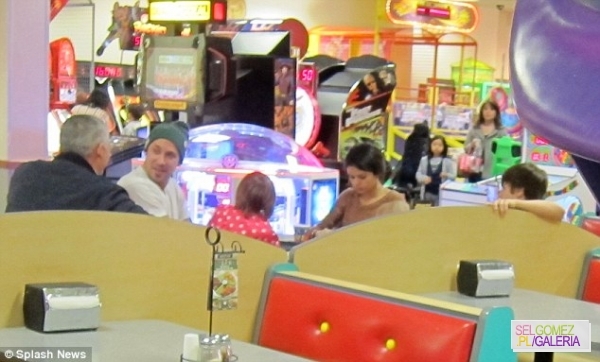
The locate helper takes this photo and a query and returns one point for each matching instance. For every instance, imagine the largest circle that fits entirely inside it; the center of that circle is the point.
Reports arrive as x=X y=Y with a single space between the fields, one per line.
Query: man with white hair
x=72 y=180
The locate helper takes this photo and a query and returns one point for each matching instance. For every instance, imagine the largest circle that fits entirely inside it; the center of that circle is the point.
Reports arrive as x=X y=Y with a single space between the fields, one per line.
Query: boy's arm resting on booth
x=547 y=210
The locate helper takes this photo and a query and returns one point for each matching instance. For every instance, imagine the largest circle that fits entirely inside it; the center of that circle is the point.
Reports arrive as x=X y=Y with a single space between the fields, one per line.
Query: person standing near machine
x=481 y=135
x=98 y=104
x=151 y=185
x=435 y=169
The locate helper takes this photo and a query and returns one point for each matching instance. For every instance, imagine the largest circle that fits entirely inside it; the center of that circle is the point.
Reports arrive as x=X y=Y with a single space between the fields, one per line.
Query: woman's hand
x=313 y=233
x=426 y=180
x=476 y=143
x=323 y=232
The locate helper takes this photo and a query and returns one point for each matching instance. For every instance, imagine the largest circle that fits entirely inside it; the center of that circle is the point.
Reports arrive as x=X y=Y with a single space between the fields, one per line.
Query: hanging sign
x=441 y=15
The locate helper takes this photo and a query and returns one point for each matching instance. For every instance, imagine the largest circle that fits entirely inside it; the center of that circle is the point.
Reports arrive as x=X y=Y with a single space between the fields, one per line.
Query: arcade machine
x=219 y=156
x=63 y=88
x=297 y=30
x=128 y=26
x=268 y=31
x=264 y=90
x=308 y=113
x=353 y=98
x=172 y=64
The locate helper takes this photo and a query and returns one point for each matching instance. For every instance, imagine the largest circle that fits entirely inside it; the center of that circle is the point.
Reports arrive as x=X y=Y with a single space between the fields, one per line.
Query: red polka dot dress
x=227 y=217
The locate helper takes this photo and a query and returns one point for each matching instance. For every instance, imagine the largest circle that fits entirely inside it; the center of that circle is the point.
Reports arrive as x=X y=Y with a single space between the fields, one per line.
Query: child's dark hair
x=445 y=149
x=136 y=110
x=368 y=157
x=256 y=195
x=98 y=99
x=528 y=177
x=495 y=107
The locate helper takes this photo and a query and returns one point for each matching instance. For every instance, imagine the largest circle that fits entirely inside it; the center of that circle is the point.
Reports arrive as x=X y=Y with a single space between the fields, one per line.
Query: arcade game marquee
x=353 y=98
x=219 y=156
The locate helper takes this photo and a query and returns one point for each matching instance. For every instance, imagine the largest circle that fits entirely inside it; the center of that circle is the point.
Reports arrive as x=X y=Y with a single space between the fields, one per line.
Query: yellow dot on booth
x=390 y=344
x=324 y=328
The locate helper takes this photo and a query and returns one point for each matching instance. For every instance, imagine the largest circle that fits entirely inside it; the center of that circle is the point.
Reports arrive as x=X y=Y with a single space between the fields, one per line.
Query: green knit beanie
x=176 y=132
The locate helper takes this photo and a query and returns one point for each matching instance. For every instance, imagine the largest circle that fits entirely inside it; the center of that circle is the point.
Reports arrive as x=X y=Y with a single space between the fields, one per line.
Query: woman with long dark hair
x=481 y=135
x=366 y=198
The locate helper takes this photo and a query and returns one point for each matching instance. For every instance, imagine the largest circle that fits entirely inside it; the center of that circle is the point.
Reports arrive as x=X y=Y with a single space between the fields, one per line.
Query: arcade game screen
x=172 y=74
x=213 y=147
x=323 y=196
x=206 y=192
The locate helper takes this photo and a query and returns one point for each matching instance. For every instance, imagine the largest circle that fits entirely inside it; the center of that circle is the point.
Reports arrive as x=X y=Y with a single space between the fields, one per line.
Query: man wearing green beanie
x=151 y=186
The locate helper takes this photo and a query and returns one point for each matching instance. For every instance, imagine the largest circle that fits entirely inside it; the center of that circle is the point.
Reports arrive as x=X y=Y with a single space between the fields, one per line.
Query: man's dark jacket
x=66 y=183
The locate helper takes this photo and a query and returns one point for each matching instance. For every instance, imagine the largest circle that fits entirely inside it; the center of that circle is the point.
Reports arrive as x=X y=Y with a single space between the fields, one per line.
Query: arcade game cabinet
x=353 y=98
x=264 y=84
x=63 y=88
x=171 y=75
x=181 y=69
x=308 y=112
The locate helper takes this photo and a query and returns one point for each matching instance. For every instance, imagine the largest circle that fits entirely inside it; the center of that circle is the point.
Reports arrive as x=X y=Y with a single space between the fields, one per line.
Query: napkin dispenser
x=59 y=307
x=485 y=278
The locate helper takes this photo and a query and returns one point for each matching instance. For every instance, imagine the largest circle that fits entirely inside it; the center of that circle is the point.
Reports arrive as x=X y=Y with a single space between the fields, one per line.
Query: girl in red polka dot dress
x=254 y=203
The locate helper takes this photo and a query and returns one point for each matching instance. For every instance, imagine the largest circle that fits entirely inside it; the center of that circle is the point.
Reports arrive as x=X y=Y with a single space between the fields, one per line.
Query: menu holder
x=223 y=282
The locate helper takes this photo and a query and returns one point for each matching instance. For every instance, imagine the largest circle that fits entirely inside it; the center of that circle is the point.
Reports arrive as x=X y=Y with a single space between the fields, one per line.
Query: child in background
x=98 y=104
x=524 y=188
x=135 y=112
x=254 y=204
x=435 y=168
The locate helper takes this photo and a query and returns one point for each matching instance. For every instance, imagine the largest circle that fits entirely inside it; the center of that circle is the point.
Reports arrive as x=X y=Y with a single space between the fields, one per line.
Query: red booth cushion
x=591 y=225
x=591 y=289
x=328 y=324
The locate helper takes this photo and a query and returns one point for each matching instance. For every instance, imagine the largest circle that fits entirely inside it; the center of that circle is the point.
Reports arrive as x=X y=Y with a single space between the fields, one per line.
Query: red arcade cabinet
x=63 y=77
